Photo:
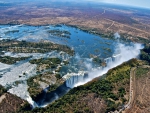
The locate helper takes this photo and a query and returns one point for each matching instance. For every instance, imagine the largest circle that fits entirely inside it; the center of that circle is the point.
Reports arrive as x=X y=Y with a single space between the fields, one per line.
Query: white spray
x=122 y=54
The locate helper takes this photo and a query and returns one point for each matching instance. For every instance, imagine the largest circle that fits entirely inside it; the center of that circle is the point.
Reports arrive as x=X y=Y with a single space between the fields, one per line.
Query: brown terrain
x=99 y=18
x=92 y=101
x=140 y=101
x=10 y=103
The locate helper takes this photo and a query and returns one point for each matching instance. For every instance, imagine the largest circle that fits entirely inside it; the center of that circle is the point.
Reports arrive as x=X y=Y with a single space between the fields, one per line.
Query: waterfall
x=112 y=59
x=31 y=102
x=116 y=57
x=74 y=78
x=108 y=60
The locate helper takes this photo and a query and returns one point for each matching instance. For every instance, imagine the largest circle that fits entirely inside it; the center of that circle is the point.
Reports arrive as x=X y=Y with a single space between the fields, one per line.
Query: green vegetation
x=107 y=49
x=12 y=31
x=26 y=107
x=46 y=63
x=53 y=62
x=58 y=76
x=121 y=91
x=97 y=32
x=112 y=88
x=141 y=71
x=34 y=88
x=52 y=87
x=66 y=62
x=18 y=82
x=97 y=60
x=145 y=53
x=48 y=78
x=143 y=40
x=57 y=25
x=35 y=83
x=59 y=33
x=32 y=47
x=11 y=60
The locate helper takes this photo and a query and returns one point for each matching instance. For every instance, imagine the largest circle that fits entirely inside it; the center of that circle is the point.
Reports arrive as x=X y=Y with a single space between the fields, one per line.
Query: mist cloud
x=122 y=54
x=116 y=35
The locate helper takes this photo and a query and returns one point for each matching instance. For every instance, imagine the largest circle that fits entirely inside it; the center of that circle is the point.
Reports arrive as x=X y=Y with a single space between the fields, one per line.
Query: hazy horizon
x=134 y=3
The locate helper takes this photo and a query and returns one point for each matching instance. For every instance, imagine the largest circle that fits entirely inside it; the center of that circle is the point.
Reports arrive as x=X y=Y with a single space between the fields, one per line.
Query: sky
x=137 y=3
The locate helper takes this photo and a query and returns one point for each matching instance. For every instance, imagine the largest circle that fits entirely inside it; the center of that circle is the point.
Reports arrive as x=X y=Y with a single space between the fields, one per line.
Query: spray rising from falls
x=122 y=54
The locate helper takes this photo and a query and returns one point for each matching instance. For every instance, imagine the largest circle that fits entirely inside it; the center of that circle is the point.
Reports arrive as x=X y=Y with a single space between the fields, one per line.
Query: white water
x=125 y=53
x=21 y=91
x=4 y=66
x=16 y=73
x=54 y=54
x=31 y=102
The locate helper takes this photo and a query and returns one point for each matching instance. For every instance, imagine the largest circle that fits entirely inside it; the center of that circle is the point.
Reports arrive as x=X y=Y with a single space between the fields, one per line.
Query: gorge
x=80 y=68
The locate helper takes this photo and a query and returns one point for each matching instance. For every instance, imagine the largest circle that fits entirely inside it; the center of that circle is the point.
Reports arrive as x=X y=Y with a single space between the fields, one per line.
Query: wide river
x=86 y=46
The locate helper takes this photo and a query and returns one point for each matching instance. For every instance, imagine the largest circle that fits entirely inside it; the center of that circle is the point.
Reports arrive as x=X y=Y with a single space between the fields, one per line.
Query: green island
x=59 y=33
x=32 y=47
x=11 y=60
x=47 y=79
x=97 y=32
x=46 y=63
x=107 y=49
x=99 y=61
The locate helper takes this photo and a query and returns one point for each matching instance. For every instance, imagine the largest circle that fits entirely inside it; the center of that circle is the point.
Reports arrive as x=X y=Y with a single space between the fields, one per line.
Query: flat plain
x=131 y=23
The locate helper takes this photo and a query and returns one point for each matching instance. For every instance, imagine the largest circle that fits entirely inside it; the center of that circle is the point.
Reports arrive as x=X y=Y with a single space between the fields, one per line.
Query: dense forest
x=145 y=53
